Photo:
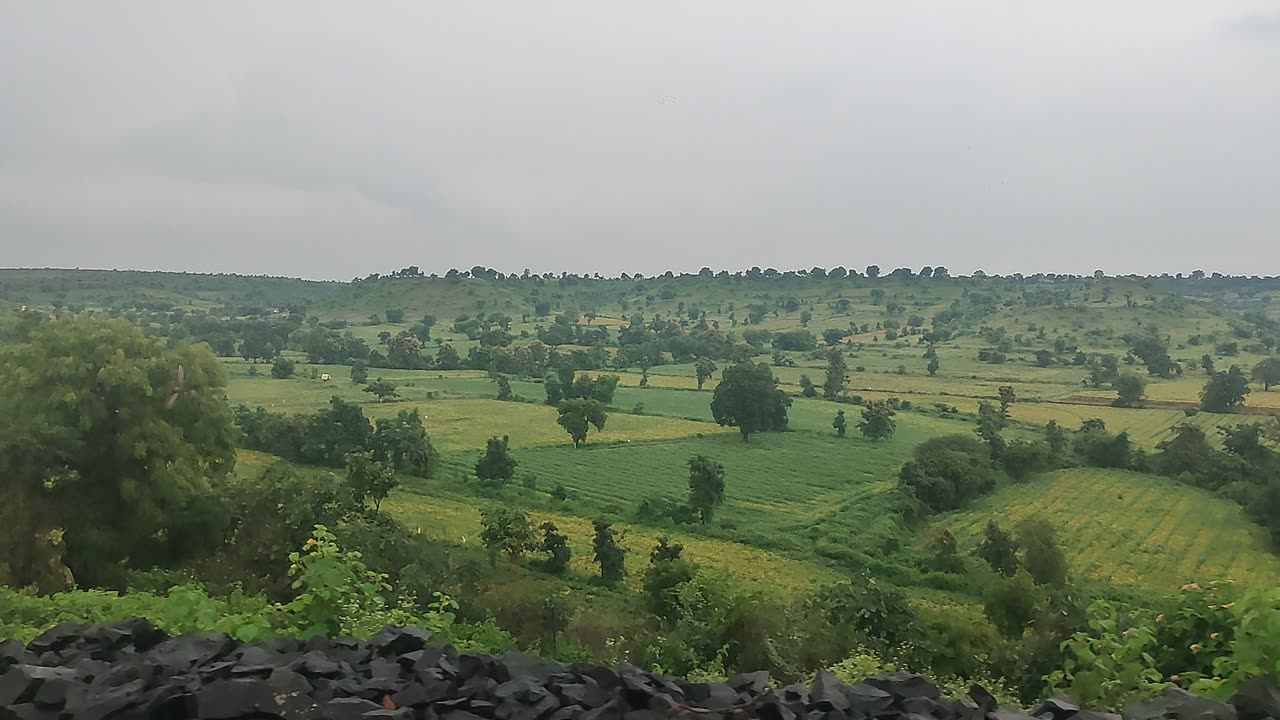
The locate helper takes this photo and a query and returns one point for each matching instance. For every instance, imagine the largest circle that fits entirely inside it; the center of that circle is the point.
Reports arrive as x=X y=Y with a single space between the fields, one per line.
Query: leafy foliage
x=578 y=415
x=748 y=398
x=104 y=438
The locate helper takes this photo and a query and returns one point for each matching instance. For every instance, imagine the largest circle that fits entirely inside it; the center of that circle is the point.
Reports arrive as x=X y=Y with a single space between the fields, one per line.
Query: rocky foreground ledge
x=130 y=669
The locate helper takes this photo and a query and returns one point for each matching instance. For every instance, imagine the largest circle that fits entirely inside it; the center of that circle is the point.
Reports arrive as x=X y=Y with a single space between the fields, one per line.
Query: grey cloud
x=340 y=139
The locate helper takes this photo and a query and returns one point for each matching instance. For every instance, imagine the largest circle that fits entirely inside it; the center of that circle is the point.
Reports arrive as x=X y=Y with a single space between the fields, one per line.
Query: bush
x=946 y=472
x=283 y=368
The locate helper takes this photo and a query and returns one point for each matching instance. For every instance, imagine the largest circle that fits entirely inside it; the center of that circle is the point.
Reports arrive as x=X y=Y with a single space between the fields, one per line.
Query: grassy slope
x=1131 y=529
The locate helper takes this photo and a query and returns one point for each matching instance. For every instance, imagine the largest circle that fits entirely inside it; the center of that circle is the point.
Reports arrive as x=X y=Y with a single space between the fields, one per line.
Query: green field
x=1132 y=529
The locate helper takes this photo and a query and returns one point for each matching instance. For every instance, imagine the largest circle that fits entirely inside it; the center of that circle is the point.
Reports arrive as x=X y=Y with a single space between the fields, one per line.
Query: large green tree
x=368 y=479
x=704 y=368
x=578 y=415
x=1267 y=372
x=877 y=421
x=111 y=438
x=1130 y=389
x=706 y=486
x=496 y=466
x=1225 y=391
x=837 y=374
x=748 y=398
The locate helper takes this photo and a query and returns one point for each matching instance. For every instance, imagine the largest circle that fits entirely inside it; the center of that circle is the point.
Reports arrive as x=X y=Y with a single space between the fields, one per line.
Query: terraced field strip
x=466 y=424
x=775 y=484
x=458 y=521
x=1131 y=529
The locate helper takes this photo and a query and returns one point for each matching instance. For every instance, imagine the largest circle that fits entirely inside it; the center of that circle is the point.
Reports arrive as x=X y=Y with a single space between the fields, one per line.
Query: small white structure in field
x=324 y=377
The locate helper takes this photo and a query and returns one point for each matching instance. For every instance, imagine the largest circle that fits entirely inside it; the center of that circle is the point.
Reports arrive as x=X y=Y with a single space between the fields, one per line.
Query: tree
x=1023 y=458
x=990 y=423
x=1130 y=389
x=946 y=472
x=496 y=466
x=943 y=552
x=359 y=372
x=748 y=398
x=663 y=579
x=873 y=271
x=806 y=387
x=557 y=546
x=837 y=374
x=402 y=444
x=805 y=317
x=1041 y=554
x=704 y=368
x=1010 y=604
x=840 y=423
x=608 y=553
x=1055 y=436
x=1044 y=358
x=1007 y=398
x=368 y=479
x=1206 y=362
x=382 y=388
x=506 y=531
x=447 y=358
x=1225 y=391
x=504 y=387
x=282 y=368
x=554 y=388
x=394 y=315
x=933 y=366
x=112 y=440
x=1267 y=372
x=999 y=550
x=877 y=421
x=578 y=414
x=706 y=486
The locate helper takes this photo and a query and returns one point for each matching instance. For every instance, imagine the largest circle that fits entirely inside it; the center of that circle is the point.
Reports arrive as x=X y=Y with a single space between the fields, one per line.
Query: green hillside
x=1132 y=529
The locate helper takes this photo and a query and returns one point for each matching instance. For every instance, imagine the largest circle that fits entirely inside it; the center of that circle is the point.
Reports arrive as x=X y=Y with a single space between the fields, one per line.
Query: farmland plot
x=1131 y=529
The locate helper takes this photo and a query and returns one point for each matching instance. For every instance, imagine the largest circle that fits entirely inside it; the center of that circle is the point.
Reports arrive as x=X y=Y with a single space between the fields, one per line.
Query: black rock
x=1178 y=704
x=523 y=665
x=27 y=711
x=17 y=687
x=868 y=700
x=712 y=696
x=793 y=695
x=56 y=638
x=1003 y=714
x=1056 y=708
x=460 y=715
x=180 y=654
x=13 y=652
x=285 y=680
x=751 y=683
x=903 y=685
x=348 y=708
x=53 y=693
x=234 y=698
x=568 y=712
x=924 y=707
x=1256 y=699
x=827 y=692
x=106 y=700
x=985 y=701
x=393 y=640
x=397 y=714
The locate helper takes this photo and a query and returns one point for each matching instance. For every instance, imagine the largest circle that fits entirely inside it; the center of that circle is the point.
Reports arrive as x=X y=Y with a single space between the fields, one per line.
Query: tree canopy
x=111 y=438
x=748 y=398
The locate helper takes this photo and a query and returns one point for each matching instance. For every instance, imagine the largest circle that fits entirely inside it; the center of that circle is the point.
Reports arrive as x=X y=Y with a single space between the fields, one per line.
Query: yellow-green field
x=459 y=522
x=1131 y=529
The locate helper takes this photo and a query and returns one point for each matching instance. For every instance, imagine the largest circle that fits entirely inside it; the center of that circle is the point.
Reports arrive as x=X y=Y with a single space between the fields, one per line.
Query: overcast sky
x=333 y=139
